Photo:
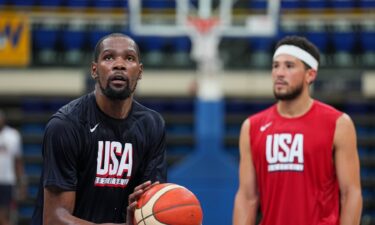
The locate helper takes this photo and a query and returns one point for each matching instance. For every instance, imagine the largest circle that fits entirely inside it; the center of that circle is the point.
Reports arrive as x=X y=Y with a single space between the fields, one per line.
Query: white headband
x=298 y=53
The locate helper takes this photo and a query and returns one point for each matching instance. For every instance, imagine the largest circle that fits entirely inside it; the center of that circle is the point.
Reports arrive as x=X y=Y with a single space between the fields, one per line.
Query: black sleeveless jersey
x=101 y=158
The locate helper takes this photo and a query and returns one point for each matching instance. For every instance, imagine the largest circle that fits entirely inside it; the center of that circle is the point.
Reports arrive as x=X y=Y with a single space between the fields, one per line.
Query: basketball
x=170 y=204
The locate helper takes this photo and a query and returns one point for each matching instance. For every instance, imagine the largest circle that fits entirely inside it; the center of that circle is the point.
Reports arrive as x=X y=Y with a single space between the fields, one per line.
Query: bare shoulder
x=245 y=124
x=345 y=134
x=344 y=122
x=245 y=129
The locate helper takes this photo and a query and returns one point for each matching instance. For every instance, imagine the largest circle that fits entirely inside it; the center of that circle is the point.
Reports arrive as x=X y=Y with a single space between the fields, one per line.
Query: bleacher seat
x=181 y=106
x=261 y=49
x=31 y=150
x=342 y=4
x=315 y=4
x=33 y=128
x=73 y=41
x=257 y=4
x=45 y=39
x=33 y=169
x=22 y=2
x=317 y=33
x=291 y=4
x=26 y=211
x=153 y=51
x=51 y=3
x=181 y=47
x=344 y=39
x=78 y=3
x=366 y=4
x=231 y=49
x=160 y=4
x=104 y=3
x=354 y=108
x=289 y=27
x=367 y=39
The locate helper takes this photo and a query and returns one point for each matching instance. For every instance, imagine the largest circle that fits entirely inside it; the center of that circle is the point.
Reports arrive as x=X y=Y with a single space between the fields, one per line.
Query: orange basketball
x=170 y=204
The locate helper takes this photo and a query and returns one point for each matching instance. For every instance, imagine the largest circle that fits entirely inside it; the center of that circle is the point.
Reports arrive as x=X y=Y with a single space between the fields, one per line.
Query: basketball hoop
x=205 y=36
x=203 y=25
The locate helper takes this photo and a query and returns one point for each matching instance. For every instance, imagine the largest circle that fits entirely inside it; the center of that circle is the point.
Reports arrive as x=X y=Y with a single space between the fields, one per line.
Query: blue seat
x=57 y=103
x=123 y=3
x=51 y=3
x=291 y=4
x=180 y=129
x=78 y=3
x=153 y=43
x=261 y=49
x=181 y=47
x=32 y=150
x=32 y=191
x=22 y=2
x=236 y=106
x=342 y=4
x=233 y=129
x=33 y=105
x=319 y=38
x=344 y=41
x=45 y=41
x=25 y=211
x=356 y=108
x=366 y=4
x=362 y=152
x=261 y=44
x=153 y=50
x=104 y=3
x=33 y=169
x=317 y=33
x=258 y=4
x=367 y=39
x=180 y=150
x=160 y=4
x=34 y=128
x=316 y=4
x=45 y=38
x=156 y=104
x=73 y=41
x=181 y=106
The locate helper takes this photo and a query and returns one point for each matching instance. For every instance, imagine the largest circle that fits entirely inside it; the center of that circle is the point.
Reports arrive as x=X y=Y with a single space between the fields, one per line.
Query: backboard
x=237 y=18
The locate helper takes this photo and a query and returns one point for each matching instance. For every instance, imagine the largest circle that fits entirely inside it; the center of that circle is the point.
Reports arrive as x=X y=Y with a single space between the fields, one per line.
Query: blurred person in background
x=298 y=159
x=12 y=178
x=104 y=149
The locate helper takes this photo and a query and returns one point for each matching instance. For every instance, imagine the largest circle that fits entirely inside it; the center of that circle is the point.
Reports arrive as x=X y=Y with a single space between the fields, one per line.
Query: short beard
x=293 y=94
x=113 y=94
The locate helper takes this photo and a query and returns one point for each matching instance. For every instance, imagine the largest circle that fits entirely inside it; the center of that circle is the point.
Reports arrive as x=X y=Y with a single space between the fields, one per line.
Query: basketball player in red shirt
x=298 y=158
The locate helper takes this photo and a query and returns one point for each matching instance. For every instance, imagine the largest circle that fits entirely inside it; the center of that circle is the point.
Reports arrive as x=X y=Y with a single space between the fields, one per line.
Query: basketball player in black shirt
x=102 y=150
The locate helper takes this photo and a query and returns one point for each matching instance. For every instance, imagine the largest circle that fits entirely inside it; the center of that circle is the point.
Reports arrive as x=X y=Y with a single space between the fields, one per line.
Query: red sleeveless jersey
x=293 y=159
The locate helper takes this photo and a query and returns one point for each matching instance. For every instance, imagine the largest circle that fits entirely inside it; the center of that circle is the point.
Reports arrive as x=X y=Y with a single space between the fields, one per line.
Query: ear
x=311 y=76
x=140 y=72
x=94 y=73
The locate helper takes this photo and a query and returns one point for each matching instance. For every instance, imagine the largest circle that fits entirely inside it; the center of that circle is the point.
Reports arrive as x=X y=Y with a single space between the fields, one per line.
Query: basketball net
x=205 y=37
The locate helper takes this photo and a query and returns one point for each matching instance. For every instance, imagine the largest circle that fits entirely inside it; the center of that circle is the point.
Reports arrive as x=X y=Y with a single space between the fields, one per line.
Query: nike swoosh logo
x=264 y=127
x=94 y=128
